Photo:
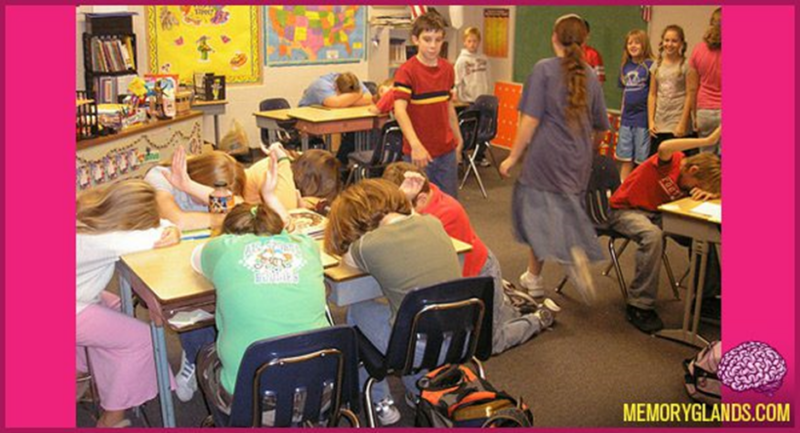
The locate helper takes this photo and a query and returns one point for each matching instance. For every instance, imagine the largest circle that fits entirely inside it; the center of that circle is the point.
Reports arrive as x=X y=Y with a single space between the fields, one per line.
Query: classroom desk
x=165 y=281
x=324 y=122
x=679 y=219
x=213 y=108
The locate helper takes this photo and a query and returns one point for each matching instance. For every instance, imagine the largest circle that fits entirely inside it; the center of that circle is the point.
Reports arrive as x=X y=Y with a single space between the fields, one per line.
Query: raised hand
x=412 y=184
x=178 y=176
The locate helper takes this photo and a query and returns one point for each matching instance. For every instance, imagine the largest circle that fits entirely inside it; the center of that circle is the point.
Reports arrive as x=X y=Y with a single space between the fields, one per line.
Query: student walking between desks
x=563 y=117
x=114 y=220
x=663 y=178
x=424 y=107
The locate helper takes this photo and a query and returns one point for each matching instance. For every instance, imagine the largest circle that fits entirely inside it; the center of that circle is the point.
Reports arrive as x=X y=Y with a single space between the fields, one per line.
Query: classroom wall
x=502 y=69
x=243 y=99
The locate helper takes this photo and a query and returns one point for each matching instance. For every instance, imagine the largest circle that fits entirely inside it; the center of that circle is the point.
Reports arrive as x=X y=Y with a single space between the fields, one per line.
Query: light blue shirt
x=184 y=201
x=322 y=88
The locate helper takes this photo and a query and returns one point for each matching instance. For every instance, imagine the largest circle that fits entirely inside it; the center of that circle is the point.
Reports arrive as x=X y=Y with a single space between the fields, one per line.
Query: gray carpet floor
x=579 y=373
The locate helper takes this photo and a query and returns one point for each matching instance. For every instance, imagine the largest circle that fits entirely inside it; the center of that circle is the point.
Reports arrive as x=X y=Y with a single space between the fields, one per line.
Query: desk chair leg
x=472 y=167
x=560 y=286
x=329 y=316
x=494 y=160
x=672 y=283
x=615 y=262
x=368 y=409
x=618 y=253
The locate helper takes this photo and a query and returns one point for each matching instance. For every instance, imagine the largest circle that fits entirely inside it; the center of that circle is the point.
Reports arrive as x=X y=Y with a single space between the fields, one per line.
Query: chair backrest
x=603 y=181
x=469 y=122
x=372 y=87
x=272 y=104
x=307 y=378
x=390 y=146
x=487 y=105
x=452 y=319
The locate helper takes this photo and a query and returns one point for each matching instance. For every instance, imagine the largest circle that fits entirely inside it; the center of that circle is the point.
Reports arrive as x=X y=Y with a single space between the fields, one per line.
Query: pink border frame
x=39 y=260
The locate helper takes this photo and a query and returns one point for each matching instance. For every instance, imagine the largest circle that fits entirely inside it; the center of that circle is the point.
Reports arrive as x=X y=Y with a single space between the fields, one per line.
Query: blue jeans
x=509 y=328
x=372 y=318
x=442 y=171
x=193 y=341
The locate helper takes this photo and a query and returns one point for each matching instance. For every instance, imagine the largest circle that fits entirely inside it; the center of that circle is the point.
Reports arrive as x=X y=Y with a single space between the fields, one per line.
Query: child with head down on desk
x=662 y=178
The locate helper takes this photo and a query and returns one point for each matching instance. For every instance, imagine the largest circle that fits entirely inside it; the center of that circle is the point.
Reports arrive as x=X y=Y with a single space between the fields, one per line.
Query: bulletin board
x=223 y=40
x=609 y=25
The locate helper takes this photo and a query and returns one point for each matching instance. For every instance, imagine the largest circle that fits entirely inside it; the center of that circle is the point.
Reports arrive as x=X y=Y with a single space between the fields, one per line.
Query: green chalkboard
x=609 y=25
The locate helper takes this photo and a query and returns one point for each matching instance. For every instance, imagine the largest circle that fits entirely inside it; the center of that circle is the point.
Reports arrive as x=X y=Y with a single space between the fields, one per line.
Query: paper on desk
x=711 y=210
x=186 y=318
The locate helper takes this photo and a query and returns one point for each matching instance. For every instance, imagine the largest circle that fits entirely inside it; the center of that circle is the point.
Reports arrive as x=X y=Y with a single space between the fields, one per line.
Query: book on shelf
x=306 y=222
x=112 y=54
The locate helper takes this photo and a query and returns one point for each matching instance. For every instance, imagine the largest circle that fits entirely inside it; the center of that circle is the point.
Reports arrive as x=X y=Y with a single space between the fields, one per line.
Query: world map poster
x=315 y=34
x=223 y=40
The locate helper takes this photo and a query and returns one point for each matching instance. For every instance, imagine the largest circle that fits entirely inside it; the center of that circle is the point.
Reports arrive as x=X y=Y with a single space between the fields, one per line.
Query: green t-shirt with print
x=266 y=287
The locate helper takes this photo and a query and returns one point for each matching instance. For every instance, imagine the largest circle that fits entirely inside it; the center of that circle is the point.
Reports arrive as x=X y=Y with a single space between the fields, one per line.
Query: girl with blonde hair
x=111 y=221
x=183 y=187
x=562 y=118
x=633 y=147
x=669 y=104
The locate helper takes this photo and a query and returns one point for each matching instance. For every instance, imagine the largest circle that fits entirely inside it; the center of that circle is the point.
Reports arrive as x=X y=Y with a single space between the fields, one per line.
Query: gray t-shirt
x=407 y=254
x=184 y=201
x=671 y=95
x=558 y=160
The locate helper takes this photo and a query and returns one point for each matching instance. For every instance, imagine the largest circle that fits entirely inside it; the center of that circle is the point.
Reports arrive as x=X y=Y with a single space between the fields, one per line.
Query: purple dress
x=547 y=207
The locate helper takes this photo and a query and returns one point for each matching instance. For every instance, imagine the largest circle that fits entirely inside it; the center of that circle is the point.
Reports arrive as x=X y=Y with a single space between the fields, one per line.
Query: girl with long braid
x=562 y=117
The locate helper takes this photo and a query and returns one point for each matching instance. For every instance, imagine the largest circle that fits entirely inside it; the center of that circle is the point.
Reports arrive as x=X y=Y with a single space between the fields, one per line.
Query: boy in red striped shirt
x=424 y=109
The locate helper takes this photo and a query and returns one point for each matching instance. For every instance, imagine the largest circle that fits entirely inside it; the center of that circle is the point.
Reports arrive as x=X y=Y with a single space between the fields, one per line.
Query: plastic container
x=221 y=199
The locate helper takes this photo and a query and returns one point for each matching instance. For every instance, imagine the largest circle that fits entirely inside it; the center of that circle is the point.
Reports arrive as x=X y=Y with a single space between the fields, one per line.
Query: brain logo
x=753 y=366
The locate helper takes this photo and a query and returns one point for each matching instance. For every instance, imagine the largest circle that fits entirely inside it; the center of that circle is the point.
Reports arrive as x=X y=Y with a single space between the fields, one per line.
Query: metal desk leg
x=694 y=299
x=126 y=296
x=304 y=142
x=216 y=131
x=162 y=375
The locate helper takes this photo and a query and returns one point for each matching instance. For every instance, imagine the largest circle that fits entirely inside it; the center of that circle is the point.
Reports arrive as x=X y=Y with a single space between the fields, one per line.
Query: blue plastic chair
x=459 y=311
x=371 y=163
x=289 y=375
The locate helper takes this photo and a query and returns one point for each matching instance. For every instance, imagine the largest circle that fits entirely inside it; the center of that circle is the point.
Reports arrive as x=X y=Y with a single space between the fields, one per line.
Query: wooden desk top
x=136 y=129
x=282 y=114
x=168 y=272
x=201 y=104
x=344 y=272
x=685 y=206
x=318 y=115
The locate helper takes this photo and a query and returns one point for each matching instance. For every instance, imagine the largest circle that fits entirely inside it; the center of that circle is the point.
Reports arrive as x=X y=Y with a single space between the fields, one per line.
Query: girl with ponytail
x=705 y=80
x=562 y=117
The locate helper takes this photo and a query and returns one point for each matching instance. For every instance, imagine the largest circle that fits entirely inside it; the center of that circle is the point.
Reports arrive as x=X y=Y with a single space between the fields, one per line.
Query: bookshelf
x=109 y=55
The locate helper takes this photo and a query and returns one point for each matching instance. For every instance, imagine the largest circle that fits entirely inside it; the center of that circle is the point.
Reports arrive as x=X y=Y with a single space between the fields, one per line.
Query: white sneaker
x=387 y=412
x=581 y=275
x=186 y=380
x=533 y=283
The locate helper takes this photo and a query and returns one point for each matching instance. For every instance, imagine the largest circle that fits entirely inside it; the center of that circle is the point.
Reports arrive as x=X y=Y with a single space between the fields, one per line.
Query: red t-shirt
x=650 y=185
x=386 y=103
x=456 y=223
x=427 y=90
x=595 y=60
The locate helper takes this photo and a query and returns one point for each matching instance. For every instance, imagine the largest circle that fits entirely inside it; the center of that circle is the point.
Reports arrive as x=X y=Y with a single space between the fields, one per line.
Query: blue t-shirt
x=559 y=159
x=322 y=88
x=635 y=82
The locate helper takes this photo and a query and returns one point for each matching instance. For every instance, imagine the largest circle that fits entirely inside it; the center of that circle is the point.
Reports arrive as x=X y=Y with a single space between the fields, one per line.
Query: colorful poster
x=315 y=34
x=495 y=31
x=184 y=40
